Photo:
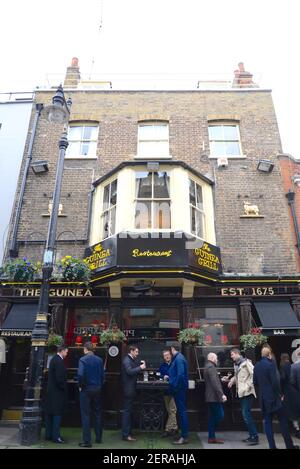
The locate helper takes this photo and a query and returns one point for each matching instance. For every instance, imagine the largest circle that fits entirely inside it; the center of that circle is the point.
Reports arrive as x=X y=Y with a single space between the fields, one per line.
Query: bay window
x=196 y=209
x=109 y=209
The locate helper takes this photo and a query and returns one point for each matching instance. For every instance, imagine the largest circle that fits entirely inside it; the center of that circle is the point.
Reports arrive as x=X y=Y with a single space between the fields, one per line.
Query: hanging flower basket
x=21 y=270
x=73 y=269
x=192 y=336
x=54 y=341
x=253 y=339
x=112 y=336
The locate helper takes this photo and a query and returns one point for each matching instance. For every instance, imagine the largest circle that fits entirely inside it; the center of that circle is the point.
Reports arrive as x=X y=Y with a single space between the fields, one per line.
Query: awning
x=277 y=318
x=20 y=320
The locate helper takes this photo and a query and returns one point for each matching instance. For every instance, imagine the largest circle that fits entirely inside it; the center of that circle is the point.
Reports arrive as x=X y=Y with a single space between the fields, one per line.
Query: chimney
x=243 y=79
x=72 y=77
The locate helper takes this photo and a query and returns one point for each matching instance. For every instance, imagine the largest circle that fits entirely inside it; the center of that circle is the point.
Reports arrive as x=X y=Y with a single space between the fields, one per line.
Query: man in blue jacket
x=178 y=381
x=90 y=380
x=265 y=378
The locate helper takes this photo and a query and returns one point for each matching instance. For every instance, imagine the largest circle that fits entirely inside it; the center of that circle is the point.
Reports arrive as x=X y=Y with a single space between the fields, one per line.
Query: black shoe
x=247 y=439
x=85 y=445
x=60 y=441
x=296 y=447
x=253 y=442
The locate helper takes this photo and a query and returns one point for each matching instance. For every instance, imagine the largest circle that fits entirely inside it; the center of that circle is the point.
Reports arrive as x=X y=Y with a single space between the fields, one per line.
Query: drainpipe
x=14 y=248
x=291 y=200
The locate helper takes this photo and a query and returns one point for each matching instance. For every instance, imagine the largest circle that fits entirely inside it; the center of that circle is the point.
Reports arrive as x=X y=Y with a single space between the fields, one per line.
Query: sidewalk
x=150 y=441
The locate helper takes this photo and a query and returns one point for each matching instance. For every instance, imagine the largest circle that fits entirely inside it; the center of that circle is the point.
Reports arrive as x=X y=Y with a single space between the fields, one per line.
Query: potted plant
x=21 y=270
x=54 y=341
x=112 y=336
x=72 y=269
x=253 y=339
x=192 y=336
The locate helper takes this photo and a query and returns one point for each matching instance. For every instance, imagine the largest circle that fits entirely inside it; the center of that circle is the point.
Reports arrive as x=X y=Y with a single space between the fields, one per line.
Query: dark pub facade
x=181 y=229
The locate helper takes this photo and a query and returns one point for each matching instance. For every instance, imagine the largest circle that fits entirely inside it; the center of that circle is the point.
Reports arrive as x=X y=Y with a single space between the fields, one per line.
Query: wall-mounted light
x=40 y=166
x=265 y=166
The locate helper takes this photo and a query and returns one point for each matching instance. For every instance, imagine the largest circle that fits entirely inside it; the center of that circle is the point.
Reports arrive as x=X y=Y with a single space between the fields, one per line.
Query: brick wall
x=261 y=245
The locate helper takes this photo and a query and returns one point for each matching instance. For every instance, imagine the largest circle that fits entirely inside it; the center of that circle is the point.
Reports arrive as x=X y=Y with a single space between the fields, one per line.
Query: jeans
x=126 y=417
x=180 y=400
x=90 y=402
x=284 y=429
x=246 y=404
x=52 y=424
x=215 y=415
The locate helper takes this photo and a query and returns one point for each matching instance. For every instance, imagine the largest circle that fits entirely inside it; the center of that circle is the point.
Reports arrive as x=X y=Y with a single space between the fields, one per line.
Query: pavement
x=149 y=441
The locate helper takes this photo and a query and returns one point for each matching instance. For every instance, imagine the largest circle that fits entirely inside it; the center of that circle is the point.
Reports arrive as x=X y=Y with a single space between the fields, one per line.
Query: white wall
x=14 y=121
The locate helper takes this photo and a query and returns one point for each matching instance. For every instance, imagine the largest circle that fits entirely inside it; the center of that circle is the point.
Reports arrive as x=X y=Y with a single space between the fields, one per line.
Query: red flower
x=94 y=339
x=224 y=339
x=208 y=339
x=78 y=340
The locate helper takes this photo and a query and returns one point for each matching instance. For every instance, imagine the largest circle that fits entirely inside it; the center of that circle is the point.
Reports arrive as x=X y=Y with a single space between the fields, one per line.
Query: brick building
x=169 y=165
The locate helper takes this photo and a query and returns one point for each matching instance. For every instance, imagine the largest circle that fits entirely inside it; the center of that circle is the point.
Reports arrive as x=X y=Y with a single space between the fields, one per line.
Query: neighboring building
x=290 y=170
x=15 y=112
x=162 y=164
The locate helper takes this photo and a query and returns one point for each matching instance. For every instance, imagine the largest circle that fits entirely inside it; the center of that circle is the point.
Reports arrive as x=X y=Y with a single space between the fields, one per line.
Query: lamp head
x=58 y=112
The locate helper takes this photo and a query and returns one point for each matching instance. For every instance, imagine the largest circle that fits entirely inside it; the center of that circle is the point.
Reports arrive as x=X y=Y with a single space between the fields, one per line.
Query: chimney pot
x=74 y=62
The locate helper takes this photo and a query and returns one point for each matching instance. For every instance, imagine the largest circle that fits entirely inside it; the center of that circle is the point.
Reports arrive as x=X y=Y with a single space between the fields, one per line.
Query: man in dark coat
x=178 y=385
x=214 y=396
x=295 y=375
x=90 y=380
x=265 y=377
x=56 y=395
x=130 y=370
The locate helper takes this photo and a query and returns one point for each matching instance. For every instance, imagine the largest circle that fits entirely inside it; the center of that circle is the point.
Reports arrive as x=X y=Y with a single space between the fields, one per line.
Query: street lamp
x=31 y=422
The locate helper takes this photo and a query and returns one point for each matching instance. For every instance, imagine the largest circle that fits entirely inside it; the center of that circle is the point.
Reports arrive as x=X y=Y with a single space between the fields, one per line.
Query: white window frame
x=153 y=200
x=83 y=124
x=140 y=140
x=202 y=211
x=224 y=124
x=109 y=210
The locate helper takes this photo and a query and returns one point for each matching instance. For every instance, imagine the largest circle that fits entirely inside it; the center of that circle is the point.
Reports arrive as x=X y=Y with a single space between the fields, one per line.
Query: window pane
x=106 y=198
x=143 y=215
x=161 y=185
x=92 y=152
x=73 y=149
x=85 y=148
x=215 y=132
x=113 y=194
x=144 y=185
x=199 y=224
x=199 y=197
x=75 y=133
x=105 y=225
x=218 y=148
x=232 y=148
x=192 y=192
x=161 y=215
x=152 y=149
x=87 y=132
x=112 y=223
x=193 y=220
x=231 y=132
x=153 y=132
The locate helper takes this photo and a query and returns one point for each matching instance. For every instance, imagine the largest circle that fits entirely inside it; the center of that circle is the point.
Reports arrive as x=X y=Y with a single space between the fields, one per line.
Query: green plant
x=113 y=335
x=253 y=339
x=21 y=269
x=54 y=340
x=192 y=335
x=70 y=268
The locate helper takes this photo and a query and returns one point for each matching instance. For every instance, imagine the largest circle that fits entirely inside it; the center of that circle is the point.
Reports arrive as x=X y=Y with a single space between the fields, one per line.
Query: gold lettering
x=79 y=292
x=224 y=291
x=30 y=292
x=138 y=253
x=88 y=293
x=72 y=292
x=22 y=291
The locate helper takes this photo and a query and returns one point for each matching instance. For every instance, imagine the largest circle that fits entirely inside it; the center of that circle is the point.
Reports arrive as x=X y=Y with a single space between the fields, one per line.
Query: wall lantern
x=265 y=166
x=40 y=166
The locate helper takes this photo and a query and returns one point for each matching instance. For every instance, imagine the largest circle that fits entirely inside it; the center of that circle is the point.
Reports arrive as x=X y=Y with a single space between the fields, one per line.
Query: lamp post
x=30 y=424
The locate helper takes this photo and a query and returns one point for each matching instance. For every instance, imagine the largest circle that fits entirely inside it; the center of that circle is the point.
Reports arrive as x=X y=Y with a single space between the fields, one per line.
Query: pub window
x=224 y=140
x=153 y=139
x=197 y=216
x=151 y=323
x=220 y=326
x=153 y=203
x=109 y=209
x=82 y=138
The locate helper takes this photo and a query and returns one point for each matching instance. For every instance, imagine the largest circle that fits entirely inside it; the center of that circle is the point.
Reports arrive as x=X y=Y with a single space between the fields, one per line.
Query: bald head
x=212 y=357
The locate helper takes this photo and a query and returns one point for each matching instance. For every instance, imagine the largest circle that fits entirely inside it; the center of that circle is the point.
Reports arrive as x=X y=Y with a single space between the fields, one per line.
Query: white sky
x=196 y=37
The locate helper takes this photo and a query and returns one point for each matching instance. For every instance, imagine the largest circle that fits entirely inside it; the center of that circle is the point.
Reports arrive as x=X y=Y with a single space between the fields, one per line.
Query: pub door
x=12 y=378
